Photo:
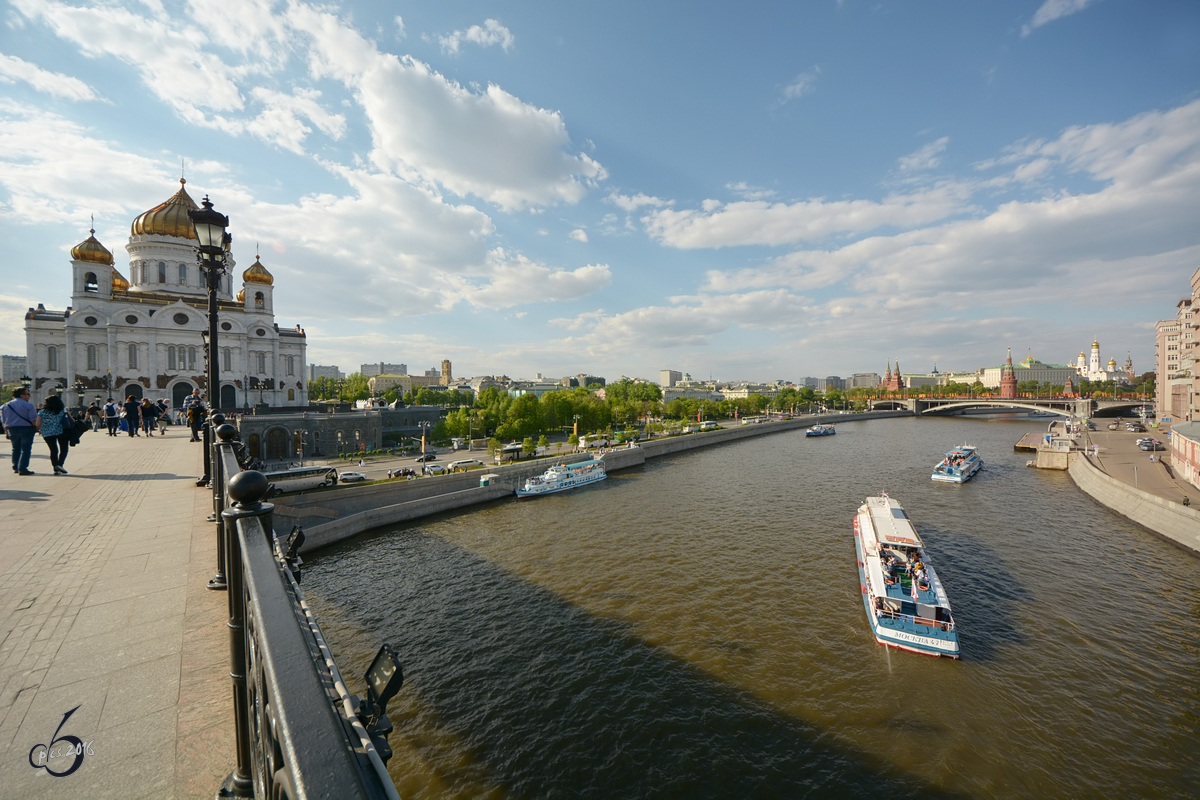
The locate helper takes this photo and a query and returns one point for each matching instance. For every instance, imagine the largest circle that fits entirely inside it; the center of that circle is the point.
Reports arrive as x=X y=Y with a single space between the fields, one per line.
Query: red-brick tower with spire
x=1008 y=379
x=891 y=380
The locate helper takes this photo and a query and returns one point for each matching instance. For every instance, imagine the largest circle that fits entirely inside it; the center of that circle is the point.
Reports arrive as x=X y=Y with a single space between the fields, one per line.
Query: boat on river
x=821 y=429
x=903 y=597
x=958 y=466
x=561 y=477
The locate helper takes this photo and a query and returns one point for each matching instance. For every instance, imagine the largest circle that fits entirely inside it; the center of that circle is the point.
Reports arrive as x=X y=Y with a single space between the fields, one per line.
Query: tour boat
x=959 y=465
x=904 y=599
x=561 y=477
x=821 y=430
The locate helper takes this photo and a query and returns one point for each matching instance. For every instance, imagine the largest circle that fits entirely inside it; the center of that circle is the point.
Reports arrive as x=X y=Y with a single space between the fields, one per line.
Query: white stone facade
x=143 y=337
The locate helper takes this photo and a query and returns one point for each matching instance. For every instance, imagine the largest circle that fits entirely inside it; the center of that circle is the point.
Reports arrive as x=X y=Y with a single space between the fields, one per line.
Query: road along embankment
x=1173 y=521
x=331 y=515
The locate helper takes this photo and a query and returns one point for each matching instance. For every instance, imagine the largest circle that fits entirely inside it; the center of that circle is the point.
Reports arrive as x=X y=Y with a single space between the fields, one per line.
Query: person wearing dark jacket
x=133 y=415
x=54 y=431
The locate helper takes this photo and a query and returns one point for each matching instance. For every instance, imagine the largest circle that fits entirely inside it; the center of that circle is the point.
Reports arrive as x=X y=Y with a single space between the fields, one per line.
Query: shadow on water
x=556 y=702
x=970 y=568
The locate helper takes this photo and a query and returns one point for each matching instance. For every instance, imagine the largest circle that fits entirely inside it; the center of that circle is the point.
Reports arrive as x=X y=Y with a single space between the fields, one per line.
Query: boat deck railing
x=942 y=625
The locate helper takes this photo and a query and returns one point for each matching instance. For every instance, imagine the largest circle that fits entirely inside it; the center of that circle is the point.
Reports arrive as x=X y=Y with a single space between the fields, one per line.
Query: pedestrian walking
x=21 y=422
x=112 y=416
x=149 y=417
x=94 y=415
x=194 y=411
x=133 y=415
x=54 y=431
x=164 y=411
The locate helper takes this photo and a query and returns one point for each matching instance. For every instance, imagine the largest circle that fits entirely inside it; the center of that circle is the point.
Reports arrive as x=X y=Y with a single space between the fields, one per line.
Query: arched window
x=228 y=361
x=291 y=395
x=52 y=359
x=258 y=300
x=254 y=445
x=92 y=358
x=291 y=365
x=162 y=272
x=183 y=275
x=89 y=283
x=171 y=357
x=262 y=363
x=192 y=359
x=133 y=356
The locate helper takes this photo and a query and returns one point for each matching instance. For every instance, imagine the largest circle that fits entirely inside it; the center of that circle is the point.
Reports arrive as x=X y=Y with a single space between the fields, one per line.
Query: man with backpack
x=112 y=416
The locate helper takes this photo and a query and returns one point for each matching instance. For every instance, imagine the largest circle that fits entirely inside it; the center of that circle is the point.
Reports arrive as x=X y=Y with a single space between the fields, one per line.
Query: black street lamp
x=79 y=390
x=210 y=226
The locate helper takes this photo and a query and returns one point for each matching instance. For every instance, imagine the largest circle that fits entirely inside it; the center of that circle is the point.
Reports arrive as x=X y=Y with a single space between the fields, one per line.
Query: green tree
x=527 y=445
x=543 y=442
x=573 y=440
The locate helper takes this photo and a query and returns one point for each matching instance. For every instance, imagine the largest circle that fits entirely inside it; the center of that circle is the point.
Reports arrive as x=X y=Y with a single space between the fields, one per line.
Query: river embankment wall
x=329 y=516
x=1172 y=521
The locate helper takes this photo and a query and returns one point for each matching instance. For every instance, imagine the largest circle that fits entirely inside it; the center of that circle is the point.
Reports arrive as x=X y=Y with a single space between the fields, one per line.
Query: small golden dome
x=241 y=295
x=257 y=273
x=119 y=284
x=169 y=218
x=1112 y=363
x=91 y=250
x=1095 y=343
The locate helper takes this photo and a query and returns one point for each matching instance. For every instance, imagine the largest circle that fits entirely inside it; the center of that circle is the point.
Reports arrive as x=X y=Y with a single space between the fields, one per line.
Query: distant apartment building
x=581 y=380
x=332 y=373
x=864 y=380
x=691 y=393
x=830 y=382
x=669 y=377
x=447 y=375
x=12 y=368
x=810 y=383
x=1177 y=384
x=742 y=391
x=383 y=368
x=378 y=384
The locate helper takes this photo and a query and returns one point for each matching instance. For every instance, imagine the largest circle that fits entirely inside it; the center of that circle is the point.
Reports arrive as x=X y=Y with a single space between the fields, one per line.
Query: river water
x=694 y=628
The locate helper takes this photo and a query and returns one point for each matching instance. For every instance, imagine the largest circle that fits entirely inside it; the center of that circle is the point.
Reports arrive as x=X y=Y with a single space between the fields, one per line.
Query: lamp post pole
x=209 y=227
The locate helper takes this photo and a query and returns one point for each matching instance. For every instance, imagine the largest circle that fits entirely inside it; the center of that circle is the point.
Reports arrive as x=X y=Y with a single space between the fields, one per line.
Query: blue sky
x=748 y=191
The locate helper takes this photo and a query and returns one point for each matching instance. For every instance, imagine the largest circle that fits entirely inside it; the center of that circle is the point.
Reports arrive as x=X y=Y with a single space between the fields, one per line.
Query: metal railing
x=883 y=613
x=299 y=732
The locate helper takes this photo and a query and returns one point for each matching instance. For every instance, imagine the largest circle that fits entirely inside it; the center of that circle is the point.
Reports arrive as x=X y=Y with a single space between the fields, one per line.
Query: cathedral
x=147 y=336
x=1091 y=369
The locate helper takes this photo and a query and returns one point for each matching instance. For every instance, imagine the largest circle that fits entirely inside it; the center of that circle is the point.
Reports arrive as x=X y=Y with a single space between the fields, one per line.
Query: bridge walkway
x=102 y=576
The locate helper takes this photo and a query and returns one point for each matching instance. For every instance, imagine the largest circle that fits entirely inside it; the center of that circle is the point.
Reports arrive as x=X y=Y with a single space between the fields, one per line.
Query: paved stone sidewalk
x=103 y=606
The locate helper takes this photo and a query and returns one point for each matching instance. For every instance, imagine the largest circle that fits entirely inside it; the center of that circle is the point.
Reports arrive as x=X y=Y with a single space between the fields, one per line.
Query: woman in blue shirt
x=53 y=416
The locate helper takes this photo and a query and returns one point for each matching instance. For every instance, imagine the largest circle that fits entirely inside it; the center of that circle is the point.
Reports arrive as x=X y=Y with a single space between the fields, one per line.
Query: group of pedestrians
x=22 y=421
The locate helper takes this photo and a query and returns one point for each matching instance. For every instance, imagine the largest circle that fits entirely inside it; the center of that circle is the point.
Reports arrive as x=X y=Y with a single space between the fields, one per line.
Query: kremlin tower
x=1008 y=379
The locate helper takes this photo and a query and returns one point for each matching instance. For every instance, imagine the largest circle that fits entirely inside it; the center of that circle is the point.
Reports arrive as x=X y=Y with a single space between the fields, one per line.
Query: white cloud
x=279 y=121
x=578 y=235
x=13 y=69
x=400 y=32
x=759 y=222
x=925 y=157
x=631 y=204
x=517 y=280
x=491 y=33
x=803 y=84
x=748 y=192
x=1052 y=10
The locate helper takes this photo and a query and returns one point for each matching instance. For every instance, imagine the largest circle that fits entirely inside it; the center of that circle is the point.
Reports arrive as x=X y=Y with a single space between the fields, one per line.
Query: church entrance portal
x=134 y=389
x=228 y=397
x=276 y=445
x=179 y=393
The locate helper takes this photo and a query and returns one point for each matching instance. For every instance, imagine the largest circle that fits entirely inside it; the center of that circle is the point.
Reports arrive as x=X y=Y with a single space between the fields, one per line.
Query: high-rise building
x=447 y=376
x=383 y=368
x=669 y=377
x=12 y=368
x=1176 y=383
x=332 y=373
x=868 y=380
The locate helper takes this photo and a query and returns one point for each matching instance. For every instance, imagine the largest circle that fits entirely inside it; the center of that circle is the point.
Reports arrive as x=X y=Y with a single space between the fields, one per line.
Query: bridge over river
x=1082 y=407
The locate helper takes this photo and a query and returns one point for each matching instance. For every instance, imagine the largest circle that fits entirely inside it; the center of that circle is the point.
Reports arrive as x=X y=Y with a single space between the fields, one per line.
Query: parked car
x=426 y=457
x=1151 y=446
x=351 y=477
x=466 y=464
x=435 y=469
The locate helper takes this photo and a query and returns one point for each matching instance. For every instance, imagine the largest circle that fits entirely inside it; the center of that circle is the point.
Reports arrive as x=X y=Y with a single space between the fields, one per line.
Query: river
x=694 y=628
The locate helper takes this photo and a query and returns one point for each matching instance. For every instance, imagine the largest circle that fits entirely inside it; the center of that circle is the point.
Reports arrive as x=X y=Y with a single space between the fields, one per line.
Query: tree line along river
x=694 y=629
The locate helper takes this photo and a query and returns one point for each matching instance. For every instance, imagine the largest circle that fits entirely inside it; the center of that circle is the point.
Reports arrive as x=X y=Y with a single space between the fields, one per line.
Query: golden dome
x=1095 y=343
x=91 y=250
x=241 y=295
x=257 y=273
x=119 y=284
x=169 y=218
x=1112 y=363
